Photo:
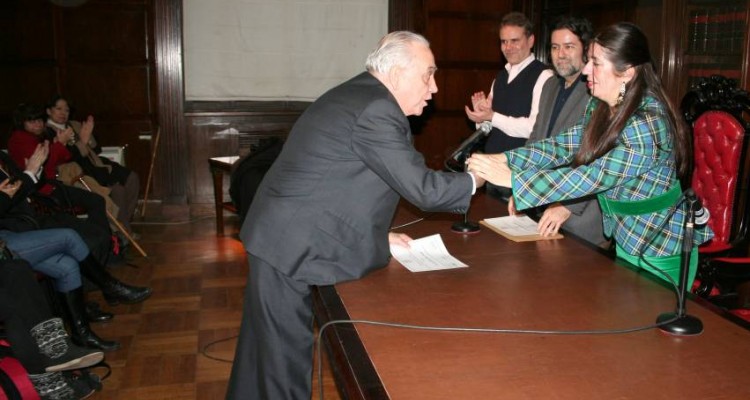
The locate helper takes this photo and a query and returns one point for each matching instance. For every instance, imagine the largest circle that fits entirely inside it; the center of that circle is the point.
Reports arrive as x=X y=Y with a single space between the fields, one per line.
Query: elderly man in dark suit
x=564 y=97
x=322 y=213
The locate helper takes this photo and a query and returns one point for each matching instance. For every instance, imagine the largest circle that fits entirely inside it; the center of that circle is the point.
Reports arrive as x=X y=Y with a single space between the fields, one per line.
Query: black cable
x=641 y=250
x=641 y=255
x=205 y=349
x=319 y=356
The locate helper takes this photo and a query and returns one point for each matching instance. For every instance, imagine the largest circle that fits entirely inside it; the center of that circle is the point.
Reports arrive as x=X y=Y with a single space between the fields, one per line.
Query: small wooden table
x=218 y=166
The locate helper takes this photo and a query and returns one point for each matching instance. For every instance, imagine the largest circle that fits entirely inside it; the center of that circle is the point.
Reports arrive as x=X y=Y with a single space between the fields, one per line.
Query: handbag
x=14 y=380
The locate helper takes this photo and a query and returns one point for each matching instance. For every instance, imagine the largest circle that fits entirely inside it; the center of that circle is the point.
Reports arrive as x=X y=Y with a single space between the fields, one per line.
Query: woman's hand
x=552 y=219
x=34 y=163
x=512 y=206
x=491 y=167
x=64 y=136
x=87 y=129
x=399 y=239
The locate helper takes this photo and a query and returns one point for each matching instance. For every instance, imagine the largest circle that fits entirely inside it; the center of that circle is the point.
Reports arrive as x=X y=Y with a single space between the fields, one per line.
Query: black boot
x=94 y=313
x=80 y=332
x=58 y=352
x=114 y=291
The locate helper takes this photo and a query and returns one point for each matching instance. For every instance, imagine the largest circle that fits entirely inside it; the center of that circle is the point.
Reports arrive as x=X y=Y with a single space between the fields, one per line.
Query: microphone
x=700 y=213
x=483 y=130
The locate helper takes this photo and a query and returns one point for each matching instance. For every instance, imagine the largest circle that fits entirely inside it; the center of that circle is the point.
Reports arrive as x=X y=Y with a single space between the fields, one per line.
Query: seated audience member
x=56 y=253
x=18 y=217
x=38 y=339
x=123 y=182
x=564 y=97
x=28 y=134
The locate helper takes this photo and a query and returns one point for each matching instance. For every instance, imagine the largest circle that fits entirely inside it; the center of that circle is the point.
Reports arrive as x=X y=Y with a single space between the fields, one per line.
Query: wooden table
x=561 y=285
x=218 y=166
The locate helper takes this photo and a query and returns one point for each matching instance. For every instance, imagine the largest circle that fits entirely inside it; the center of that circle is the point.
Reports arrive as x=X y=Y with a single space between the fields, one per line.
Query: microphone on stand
x=701 y=214
x=683 y=323
x=460 y=155
x=465 y=148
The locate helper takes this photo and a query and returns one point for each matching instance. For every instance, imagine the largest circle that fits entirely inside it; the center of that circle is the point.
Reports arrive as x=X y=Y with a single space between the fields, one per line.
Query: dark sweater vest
x=513 y=100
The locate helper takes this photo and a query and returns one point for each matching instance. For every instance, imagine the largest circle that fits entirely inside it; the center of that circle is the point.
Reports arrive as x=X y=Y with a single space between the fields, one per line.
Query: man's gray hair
x=393 y=50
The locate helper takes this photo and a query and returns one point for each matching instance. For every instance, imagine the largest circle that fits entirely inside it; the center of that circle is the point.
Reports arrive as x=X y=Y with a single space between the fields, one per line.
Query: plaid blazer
x=640 y=166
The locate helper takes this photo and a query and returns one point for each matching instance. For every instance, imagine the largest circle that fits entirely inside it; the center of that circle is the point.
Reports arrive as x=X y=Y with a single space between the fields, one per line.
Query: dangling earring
x=621 y=96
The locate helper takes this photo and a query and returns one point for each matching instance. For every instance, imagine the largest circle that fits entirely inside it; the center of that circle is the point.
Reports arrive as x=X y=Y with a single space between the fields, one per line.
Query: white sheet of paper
x=426 y=254
x=516 y=225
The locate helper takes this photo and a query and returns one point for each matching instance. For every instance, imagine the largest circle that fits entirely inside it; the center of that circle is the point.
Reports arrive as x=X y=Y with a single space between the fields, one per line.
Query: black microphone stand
x=465 y=227
x=681 y=323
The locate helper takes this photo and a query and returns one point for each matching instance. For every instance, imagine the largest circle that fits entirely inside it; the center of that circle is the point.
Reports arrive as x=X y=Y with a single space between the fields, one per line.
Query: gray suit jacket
x=571 y=112
x=322 y=213
x=586 y=218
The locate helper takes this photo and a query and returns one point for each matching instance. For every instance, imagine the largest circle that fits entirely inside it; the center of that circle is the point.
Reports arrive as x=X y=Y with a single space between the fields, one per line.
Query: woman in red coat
x=30 y=130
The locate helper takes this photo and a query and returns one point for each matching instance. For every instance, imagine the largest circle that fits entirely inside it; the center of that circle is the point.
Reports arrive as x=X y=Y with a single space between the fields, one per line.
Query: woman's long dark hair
x=626 y=46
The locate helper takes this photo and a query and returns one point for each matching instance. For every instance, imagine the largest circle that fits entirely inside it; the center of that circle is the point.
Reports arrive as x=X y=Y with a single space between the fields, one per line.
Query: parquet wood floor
x=198 y=281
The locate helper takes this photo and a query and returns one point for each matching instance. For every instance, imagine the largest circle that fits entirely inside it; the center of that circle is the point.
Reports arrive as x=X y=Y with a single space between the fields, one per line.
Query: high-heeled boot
x=115 y=291
x=80 y=332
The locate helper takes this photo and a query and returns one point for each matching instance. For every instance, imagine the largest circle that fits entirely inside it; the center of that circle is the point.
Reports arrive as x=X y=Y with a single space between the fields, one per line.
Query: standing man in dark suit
x=322 y=213
x=563 y=99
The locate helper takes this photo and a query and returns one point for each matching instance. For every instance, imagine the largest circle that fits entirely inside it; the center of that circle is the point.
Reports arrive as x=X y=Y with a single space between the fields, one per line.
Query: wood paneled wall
x=98 y=56
x=121 y=60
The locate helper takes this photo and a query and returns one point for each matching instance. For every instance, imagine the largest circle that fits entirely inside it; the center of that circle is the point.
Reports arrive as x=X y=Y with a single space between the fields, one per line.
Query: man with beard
x=561 y=106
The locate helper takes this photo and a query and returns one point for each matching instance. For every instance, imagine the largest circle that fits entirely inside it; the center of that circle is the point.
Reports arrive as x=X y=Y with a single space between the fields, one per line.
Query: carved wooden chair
x=719 y=114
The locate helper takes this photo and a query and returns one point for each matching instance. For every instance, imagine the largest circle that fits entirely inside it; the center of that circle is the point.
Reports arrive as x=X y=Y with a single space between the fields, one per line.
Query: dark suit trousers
x=274 y=355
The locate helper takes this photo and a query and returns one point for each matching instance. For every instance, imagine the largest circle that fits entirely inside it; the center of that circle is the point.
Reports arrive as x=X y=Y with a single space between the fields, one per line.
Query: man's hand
x=552 y=219
x=477 y=180
x=481 y=108
x=399 y=239
x=9 y=188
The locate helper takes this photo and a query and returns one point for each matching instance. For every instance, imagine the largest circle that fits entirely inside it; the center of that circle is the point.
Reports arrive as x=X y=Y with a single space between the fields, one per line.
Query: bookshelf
x=716 y=40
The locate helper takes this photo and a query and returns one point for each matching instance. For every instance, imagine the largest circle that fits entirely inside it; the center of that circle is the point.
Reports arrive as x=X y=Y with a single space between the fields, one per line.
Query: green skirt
x=669 y=265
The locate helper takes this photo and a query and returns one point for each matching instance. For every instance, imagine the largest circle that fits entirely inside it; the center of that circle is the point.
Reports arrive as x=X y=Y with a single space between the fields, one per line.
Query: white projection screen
x=272 y=50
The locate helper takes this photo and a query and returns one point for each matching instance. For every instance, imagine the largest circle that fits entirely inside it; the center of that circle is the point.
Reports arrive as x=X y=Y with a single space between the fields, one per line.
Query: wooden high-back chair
x=719 y=114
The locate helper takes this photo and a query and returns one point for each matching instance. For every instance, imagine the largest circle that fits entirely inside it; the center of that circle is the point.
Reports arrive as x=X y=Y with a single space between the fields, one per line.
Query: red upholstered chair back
x=718 y=140
x=719 y=112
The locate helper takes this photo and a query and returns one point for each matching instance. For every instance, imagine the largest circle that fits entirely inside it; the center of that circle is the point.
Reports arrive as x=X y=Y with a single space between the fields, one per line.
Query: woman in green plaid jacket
x=630 y=148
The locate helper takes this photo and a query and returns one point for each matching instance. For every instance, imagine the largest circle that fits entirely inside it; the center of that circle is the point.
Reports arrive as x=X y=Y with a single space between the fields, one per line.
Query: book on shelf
x=716 y=30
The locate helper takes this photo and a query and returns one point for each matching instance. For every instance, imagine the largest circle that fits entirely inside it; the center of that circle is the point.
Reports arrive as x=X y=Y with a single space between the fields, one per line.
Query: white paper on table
x=426 y=254
x=515 y=225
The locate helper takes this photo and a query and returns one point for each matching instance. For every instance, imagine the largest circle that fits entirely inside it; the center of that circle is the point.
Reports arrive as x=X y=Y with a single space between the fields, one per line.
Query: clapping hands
x=87 y=129
x=481 y=108
x=64 y=136
x=34 y=163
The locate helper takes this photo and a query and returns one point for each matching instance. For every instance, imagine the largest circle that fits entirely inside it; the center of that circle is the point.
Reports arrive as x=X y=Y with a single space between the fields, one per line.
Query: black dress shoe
x=116 y=292
x=95 y=314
